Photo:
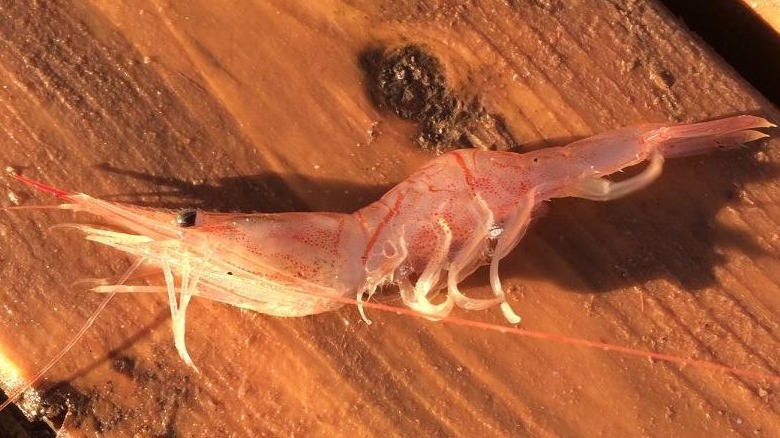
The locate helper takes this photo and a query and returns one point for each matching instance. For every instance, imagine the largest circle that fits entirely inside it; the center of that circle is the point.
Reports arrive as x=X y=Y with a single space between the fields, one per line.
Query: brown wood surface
x=262 y=106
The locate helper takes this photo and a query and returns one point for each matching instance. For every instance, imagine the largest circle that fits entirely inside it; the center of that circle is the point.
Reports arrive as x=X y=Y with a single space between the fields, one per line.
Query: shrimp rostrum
x=462 y=210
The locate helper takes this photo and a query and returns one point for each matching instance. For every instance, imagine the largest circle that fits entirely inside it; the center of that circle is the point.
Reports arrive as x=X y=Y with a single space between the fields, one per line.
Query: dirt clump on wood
x=409 y=82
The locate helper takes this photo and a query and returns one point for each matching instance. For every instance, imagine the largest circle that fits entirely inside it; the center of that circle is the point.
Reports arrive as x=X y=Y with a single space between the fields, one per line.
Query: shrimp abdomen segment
x=580 y=168
x=673 y=141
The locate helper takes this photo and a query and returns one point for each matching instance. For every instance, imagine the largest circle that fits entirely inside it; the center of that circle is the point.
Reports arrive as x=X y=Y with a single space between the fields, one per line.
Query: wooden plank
x=263 y=106
x=743 y=33
x=768 y=10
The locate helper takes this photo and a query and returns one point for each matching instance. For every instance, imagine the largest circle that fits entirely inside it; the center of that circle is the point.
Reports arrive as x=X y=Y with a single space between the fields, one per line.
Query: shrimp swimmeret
x=462 y=210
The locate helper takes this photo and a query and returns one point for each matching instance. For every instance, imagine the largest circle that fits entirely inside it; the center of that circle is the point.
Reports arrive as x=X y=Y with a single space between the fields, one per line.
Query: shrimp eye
x=186 y=218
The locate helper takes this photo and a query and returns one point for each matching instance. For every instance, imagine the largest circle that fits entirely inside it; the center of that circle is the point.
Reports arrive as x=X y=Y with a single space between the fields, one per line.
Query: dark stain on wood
x=410 y=82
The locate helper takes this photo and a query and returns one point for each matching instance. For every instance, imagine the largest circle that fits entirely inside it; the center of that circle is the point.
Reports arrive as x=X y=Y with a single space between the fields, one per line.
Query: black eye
x=186 y=218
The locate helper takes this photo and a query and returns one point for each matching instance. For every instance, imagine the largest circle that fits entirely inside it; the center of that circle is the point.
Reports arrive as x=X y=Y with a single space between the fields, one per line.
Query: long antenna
x=19 y=391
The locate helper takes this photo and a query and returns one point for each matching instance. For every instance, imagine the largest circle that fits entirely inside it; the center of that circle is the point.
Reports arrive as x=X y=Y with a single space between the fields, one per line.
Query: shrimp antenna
x=59 y=193
x=31 y=207
x=570 y=340
x=77 y=337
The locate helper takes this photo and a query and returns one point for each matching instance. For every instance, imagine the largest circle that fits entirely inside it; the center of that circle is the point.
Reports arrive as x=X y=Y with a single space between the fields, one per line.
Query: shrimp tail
x=698 y=138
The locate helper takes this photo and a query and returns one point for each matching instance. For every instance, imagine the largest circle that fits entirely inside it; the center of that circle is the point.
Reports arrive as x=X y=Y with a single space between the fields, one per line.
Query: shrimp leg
x=465 y=262
x=602 y=189
x=178 y=316
x=374 y=279
x=417 y=297
x=189 y=281
x=514 y=230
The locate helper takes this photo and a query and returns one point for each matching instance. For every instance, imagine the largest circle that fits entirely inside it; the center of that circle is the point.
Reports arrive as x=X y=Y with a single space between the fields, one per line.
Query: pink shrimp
x=464 y=209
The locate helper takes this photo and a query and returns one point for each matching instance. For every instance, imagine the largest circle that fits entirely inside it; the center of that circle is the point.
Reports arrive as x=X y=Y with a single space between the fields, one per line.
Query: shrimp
x=462 y=210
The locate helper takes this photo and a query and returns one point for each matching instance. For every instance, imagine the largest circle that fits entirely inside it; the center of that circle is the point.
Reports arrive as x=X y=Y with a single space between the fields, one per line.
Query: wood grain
x=263 y=106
